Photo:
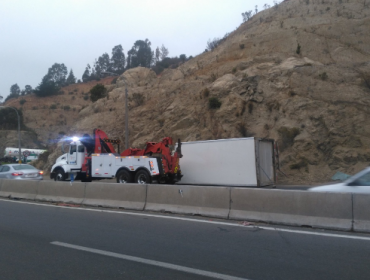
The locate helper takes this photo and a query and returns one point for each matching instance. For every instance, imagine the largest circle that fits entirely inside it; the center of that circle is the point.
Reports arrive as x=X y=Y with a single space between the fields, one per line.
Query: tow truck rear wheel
x=143 y=177
x=124 y=177
x=59 y=175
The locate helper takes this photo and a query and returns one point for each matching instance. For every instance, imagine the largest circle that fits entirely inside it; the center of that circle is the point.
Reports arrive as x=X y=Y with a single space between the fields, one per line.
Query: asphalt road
x=49 y=242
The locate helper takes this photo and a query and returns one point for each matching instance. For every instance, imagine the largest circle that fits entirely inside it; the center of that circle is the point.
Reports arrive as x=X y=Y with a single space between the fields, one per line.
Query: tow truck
x=94 y=158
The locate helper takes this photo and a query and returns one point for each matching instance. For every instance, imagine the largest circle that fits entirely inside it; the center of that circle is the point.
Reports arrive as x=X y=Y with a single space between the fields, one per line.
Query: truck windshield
x=81 y=149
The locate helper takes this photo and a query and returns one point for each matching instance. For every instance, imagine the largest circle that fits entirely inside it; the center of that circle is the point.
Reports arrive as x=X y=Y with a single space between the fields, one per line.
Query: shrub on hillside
x=22 y=101
x=138 y=98
x=204 y=93
x=298 y=50
x=287 y=136
x=323 y=76
x=214 y=103
x=97 y=92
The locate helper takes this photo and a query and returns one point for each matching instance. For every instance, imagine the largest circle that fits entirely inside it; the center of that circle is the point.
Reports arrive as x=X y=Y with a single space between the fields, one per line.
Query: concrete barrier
x=61 y=192
x=195 y=200
x=298 y=208
x=24 y=189
x=127 y=196
x=361 y=212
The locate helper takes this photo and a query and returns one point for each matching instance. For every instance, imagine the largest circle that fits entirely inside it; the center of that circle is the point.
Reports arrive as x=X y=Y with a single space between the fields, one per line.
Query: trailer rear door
x=265 y=154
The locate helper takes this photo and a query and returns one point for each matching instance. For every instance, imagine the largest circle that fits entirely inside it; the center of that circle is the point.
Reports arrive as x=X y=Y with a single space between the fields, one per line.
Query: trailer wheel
x=124 y=177
x=59 y=175
x=143 y=177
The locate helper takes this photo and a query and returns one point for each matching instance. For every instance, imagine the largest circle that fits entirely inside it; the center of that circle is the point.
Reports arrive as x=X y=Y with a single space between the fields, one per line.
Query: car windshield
x=23 y=167
x=357 y=176
x=364 y=180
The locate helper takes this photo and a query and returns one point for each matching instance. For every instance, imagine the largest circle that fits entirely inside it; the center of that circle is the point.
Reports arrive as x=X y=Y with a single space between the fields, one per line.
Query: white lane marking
x=149 y=262
x=200 y=221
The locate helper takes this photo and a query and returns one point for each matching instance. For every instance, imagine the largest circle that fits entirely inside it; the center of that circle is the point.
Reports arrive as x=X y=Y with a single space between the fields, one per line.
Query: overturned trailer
x=229 y=162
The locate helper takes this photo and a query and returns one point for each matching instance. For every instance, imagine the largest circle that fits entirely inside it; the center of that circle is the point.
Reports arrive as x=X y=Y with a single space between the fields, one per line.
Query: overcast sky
x=35 y=34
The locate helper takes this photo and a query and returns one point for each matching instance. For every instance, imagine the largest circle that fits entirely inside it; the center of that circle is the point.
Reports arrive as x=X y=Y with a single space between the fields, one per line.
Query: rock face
x=298 y=72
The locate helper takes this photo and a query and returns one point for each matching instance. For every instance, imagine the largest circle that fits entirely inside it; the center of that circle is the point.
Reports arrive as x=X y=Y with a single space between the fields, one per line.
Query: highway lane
x=28 y=230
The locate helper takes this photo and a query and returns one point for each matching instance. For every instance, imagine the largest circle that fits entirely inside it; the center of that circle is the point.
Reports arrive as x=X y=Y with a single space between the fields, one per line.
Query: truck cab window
x=81 y=149
x=72 y=149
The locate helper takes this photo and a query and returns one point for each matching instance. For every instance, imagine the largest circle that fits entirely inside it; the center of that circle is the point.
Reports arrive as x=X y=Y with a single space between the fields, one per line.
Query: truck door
x=72 y=155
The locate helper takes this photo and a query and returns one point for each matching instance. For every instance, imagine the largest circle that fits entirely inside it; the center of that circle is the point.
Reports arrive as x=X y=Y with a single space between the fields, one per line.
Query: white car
x=20 y=172
x=359 y=183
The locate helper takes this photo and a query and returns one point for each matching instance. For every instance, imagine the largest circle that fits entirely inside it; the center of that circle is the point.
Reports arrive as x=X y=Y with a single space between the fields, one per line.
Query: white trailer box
x=228 y=162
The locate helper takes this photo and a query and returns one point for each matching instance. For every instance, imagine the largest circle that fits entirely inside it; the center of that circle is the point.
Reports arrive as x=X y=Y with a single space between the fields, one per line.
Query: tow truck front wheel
x=124 y=177
x=143 y=177
x=59 y=175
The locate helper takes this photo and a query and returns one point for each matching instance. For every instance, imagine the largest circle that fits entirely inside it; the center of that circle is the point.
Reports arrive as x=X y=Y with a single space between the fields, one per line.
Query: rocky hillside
x=51 y=117
x=298 y=72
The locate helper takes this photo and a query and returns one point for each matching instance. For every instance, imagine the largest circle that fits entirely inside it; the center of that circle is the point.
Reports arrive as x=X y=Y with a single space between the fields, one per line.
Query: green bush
x=323 y=76
x=53 y=106
x=214 y=103
x=86 y=97
x=97 y=92
x=22 y=101
x=67 y=108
